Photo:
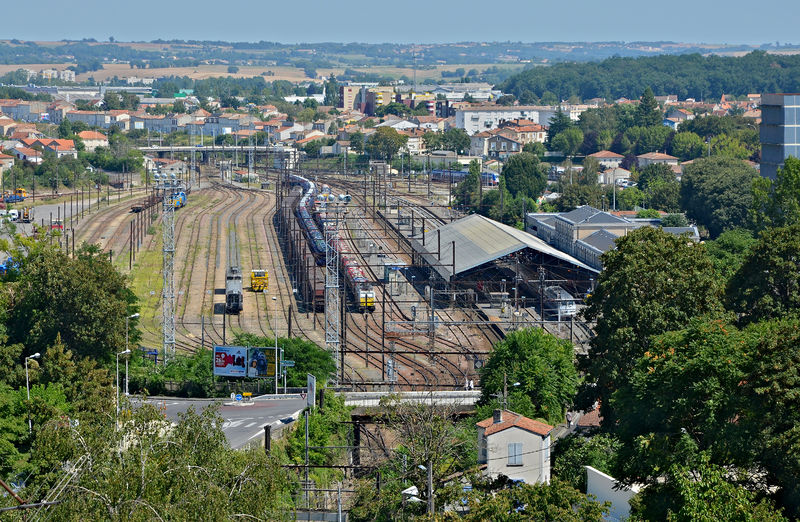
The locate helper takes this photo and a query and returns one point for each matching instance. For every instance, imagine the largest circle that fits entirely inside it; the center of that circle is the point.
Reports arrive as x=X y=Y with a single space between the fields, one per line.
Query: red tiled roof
x=606 y=154
x=91 y=135
x=512 y=420
x=656 y=156
x=591 y=419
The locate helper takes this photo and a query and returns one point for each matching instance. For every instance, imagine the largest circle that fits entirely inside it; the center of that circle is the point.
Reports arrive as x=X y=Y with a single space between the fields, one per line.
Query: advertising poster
x=261 y=362
x=230 y=361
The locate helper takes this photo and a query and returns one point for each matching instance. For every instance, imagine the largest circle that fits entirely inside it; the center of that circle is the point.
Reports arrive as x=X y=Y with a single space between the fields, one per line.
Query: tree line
x=687 y=76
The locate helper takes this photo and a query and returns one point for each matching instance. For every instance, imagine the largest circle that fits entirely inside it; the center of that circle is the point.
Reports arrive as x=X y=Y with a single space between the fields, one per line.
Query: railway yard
x=400 y=326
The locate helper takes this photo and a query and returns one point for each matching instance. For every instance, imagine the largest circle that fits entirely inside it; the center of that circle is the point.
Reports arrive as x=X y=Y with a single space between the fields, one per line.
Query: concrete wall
x=602 y=486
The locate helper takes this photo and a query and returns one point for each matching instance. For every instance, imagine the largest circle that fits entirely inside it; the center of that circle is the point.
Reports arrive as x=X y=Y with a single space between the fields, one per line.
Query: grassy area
x=147 y=283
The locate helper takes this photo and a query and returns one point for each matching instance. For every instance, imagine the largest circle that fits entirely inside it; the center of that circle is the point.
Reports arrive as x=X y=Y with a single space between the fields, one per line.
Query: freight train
x=313 y=220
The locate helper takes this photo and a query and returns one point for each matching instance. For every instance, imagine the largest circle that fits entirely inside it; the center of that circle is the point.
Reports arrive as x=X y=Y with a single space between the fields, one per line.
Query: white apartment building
x=485 y=117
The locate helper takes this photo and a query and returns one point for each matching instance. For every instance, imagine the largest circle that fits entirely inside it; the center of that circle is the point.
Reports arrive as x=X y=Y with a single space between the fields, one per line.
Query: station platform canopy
x=479 y=240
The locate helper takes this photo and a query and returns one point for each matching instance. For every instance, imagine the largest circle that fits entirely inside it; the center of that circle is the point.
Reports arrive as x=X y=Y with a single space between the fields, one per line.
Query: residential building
x=93 y=139
x=478 y=118
x=91 y=118
x=780 y=131
x=500 y=146
x=607 y=159
x=6 y=162
x=513 y=445
x=479 y=143
x=27 y=154
x=656 y=158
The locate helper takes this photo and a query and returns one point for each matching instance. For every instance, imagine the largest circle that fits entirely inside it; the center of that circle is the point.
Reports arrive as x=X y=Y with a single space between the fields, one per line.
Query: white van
x=13 y=214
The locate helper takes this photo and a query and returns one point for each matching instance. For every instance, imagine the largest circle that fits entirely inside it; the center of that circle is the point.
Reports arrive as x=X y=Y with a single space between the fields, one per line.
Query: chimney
x=497 y=416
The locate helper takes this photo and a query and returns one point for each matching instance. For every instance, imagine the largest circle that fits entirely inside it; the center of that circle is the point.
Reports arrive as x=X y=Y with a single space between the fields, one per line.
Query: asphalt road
x=242 y=423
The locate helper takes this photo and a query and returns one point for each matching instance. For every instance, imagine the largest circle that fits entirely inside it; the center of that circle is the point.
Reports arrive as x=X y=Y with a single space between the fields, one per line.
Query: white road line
x=251 y=425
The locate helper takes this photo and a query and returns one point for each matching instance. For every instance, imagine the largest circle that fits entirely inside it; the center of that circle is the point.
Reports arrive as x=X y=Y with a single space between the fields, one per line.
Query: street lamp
x=275 y=327
x=134 y=316
x=116 y=403
x=28 y=388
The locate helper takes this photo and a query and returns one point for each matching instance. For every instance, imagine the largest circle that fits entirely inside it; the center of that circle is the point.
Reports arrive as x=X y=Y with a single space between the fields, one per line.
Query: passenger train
x=457 y=176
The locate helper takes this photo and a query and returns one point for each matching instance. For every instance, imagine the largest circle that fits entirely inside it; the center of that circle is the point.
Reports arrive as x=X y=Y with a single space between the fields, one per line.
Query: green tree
x=543 y=366
x=687 y=146
x=516 y=503
x=674 y=220
x=679 y=400
x=535 y=148
x=701 y=493
x=467 y=192
x=717 y=193
x=331 y=91
x=557 y=124
x=82 y=301
x=648 y=114
x=456 y=140
x=432 y=140
x=729 y=147
x=767 y=285
x=777 y=203
x=133 y=471
x=384 y=143
x=357 y=142
x=651 y=283
x=630 y=198
x=524 y=174
x=568 y=141
x=729 y=250
x=773 y=406
x=573 y=452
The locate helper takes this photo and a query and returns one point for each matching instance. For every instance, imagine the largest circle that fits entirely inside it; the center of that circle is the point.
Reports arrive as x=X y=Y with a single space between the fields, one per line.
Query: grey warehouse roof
x=602 y=240
x=479 y=240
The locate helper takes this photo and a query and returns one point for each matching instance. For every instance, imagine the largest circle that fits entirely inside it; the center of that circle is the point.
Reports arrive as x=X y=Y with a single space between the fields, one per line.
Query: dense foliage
x=688 y=76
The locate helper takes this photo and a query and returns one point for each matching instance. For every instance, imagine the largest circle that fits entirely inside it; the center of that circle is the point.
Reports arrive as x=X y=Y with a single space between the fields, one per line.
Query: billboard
x=261 y=362
x=230 y=361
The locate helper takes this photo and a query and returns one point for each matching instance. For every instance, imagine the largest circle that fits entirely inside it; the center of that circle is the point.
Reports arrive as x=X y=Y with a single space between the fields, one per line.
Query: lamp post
x=275 y=327
x=134 y=316
x=28 y=388
x=116 y=402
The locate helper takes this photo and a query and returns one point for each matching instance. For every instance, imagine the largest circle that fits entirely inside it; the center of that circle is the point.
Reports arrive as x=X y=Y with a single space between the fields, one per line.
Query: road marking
x=251 y=425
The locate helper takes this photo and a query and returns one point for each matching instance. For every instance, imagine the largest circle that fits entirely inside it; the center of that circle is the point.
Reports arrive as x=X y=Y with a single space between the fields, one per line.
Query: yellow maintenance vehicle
x=259 y=280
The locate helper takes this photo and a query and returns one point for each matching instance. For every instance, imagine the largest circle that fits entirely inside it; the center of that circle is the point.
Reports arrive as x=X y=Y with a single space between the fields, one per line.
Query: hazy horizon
x=446 y=21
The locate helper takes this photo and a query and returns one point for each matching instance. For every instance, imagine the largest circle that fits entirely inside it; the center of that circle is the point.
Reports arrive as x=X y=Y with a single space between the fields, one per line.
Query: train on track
x=457 y=176
x=313 y=219
x=233 y=278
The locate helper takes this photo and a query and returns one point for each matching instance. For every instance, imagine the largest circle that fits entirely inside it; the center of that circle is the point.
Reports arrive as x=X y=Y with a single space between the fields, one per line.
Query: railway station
x=483 y=261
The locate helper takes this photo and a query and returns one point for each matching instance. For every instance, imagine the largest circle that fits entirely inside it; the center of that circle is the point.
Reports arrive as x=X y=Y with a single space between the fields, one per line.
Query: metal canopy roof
x=479 y=240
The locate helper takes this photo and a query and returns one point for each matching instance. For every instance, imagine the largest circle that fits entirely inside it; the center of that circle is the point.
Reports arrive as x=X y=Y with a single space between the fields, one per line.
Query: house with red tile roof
x=93 y=139
x=656 y=157
x=513 y=445
x=27 y=154
x=607 y=159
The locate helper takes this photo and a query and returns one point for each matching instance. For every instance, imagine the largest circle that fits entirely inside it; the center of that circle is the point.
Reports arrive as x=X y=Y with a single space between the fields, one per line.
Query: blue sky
x=702 y=21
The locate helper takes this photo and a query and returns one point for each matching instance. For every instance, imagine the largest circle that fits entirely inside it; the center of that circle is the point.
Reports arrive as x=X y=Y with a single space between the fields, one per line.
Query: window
x=515 y=454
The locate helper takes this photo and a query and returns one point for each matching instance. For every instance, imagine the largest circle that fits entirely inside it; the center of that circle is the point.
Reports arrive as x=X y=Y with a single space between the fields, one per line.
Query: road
x=242 y=423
